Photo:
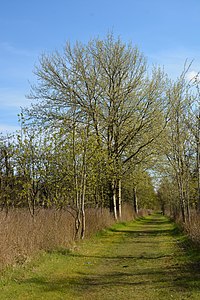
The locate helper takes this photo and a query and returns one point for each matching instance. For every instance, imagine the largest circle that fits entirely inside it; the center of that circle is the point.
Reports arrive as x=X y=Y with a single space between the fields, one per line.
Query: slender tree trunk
x=187 y=197
x=110 y=196
x=198 y=162
x=76 y=189
x=114 y=189
x=182 y=201
x=135 y=201
x=83 y=207
x=182 y=204
x=120 y=199
x=77 y=224
x=84 y=180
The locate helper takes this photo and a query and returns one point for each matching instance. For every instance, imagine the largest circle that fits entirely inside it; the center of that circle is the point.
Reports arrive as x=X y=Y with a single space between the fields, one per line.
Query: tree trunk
x=198 y=163
x=187 y=197
x=180 y=183
x=135 y=201
x=77 y=225
x=83 y=208
x=120 y=199
x=114 y=188
x=182 y=204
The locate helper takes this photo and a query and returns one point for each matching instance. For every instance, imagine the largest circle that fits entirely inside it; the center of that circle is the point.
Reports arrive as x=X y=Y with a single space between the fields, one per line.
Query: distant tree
x=6 y=172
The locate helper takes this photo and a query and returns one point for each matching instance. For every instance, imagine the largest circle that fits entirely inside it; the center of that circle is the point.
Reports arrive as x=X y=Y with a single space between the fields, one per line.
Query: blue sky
x=166 y=31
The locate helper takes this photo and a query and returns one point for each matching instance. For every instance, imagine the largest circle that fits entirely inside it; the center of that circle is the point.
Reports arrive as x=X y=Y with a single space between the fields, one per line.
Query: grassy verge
x=143 y=259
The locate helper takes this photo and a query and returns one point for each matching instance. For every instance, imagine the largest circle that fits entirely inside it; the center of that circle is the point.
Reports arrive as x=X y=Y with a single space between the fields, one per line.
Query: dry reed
x=22 y=236
x=192 y=227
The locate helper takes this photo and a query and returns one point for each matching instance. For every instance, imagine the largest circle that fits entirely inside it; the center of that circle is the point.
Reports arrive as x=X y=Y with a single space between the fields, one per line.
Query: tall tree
x=108 y=84
x=178 y=142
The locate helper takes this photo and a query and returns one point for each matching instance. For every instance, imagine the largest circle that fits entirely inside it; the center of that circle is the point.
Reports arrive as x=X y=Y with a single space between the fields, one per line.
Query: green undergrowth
x=145 y=259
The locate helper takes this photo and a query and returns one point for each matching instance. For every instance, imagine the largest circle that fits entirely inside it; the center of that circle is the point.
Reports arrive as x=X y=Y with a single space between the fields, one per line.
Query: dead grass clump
x=128 y=213
x=97 y=219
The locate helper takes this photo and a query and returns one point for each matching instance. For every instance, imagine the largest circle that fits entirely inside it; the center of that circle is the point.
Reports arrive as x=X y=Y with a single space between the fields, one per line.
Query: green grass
x=144 y=259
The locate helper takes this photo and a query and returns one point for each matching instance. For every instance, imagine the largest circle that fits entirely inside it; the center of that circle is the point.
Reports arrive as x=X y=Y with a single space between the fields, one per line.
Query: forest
x=107 y=134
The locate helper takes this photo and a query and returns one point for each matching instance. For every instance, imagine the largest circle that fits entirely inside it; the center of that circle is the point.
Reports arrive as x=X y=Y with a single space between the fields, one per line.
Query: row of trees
x=100 y=124
x=180 y=185
x=44 y=171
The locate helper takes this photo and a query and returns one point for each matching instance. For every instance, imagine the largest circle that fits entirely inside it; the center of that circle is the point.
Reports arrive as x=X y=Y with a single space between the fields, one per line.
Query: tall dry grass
x=21 y=236
x=192 y=227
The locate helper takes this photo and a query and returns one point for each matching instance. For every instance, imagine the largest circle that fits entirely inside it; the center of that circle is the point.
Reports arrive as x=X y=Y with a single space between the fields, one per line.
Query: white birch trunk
x=114 y=200
x=120 y=198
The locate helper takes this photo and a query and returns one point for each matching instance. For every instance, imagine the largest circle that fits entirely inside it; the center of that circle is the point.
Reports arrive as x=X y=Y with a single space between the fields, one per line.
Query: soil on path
x=144 y=259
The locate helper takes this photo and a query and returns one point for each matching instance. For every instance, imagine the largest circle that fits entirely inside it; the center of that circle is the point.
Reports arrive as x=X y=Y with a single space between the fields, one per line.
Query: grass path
x=144 y=259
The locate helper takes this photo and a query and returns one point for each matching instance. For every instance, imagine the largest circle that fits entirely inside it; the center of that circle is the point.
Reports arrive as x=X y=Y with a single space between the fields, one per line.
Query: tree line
x=101 y=123
x=179 y=188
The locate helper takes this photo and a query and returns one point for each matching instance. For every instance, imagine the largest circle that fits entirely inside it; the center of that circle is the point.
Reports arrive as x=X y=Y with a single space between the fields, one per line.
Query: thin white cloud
x=8 y=48
x=193 y=76
x=13 y=98
x=11 y=102
x=174 y=61
x=8 y=129
x=16 y=64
